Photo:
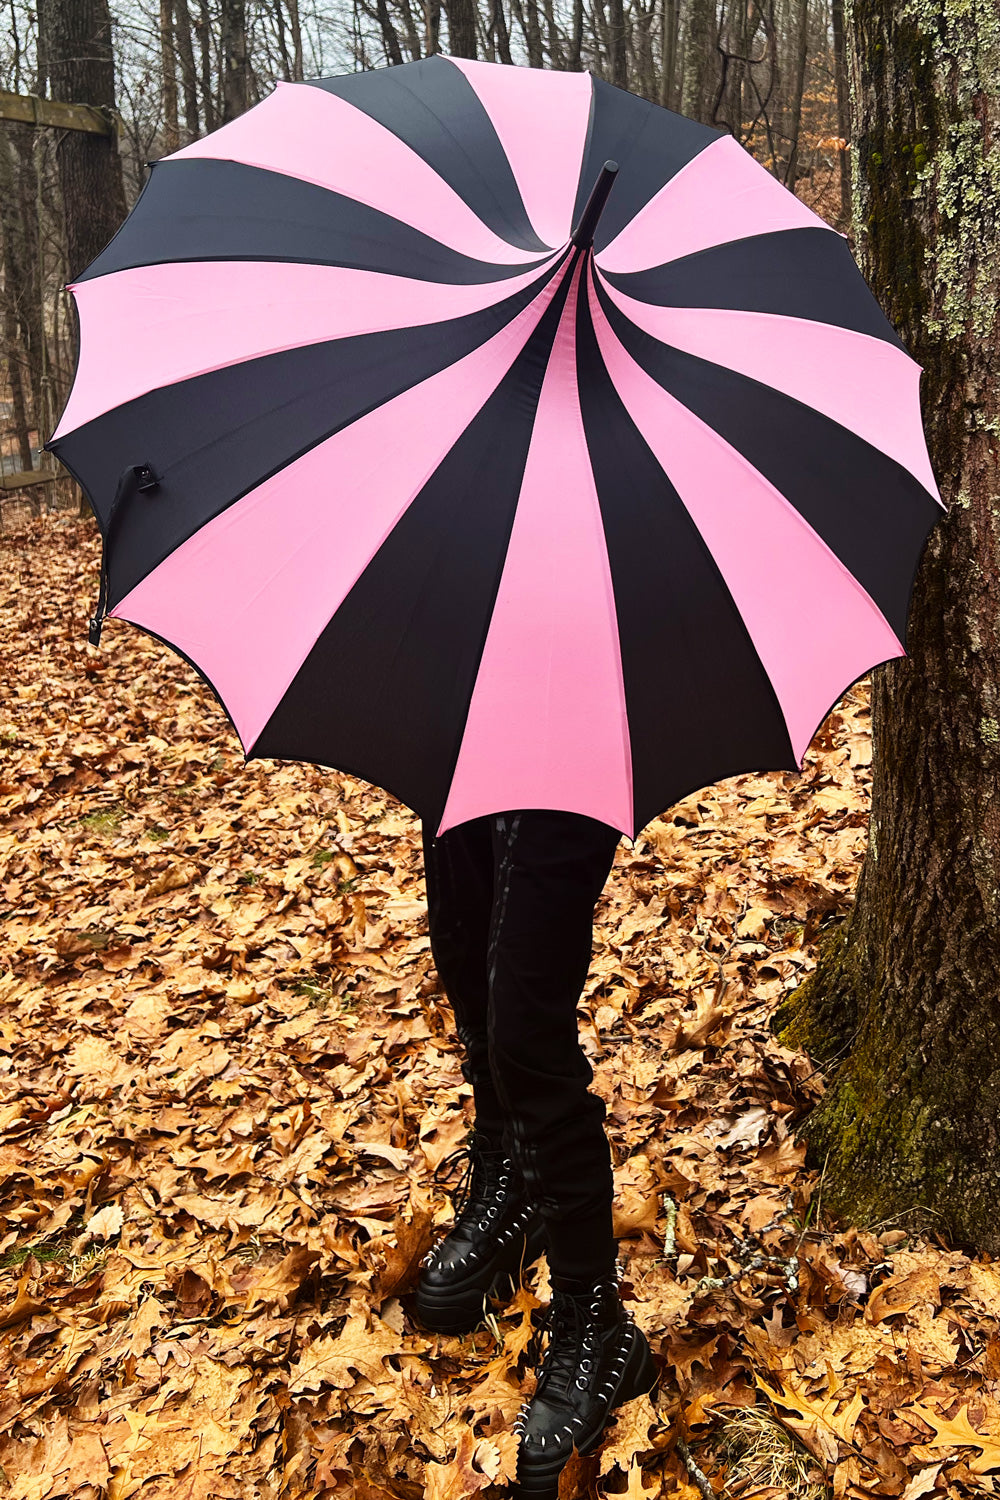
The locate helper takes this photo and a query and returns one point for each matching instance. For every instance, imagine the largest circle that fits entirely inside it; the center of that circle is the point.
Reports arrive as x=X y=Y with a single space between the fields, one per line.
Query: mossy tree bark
x=904 y=1006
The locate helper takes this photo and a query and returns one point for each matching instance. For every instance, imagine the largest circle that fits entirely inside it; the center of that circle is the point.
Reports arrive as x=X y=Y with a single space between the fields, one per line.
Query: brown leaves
x=403 y=1251
x=227 y=1074
x=362 y=1345
x=477 y=1463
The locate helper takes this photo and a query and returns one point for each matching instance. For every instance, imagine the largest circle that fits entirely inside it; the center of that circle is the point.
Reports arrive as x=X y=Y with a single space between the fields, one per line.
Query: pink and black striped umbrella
x=456 y=459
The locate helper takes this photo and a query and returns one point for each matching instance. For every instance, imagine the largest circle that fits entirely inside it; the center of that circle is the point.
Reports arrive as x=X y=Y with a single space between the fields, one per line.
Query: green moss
x=819 y=1016
x=106 y=820
x=882 y=1151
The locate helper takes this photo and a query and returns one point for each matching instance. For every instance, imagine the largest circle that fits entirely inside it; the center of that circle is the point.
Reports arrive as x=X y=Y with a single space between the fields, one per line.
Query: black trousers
x=511 y=907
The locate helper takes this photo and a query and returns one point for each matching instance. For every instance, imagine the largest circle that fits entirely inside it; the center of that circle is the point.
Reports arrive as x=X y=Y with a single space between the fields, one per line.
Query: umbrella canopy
x=434 y=493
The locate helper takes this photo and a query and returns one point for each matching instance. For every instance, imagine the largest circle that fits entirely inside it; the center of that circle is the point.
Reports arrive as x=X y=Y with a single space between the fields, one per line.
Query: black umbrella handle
x=135 y=477
x=583 y=234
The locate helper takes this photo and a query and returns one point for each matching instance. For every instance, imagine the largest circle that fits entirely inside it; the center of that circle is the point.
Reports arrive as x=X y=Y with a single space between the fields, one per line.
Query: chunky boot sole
x=462 y=1306
x=639 y=1375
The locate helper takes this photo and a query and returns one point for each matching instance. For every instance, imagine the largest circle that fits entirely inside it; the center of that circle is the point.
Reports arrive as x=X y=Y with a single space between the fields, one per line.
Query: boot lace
x=473 y=1188
x=573 y=1344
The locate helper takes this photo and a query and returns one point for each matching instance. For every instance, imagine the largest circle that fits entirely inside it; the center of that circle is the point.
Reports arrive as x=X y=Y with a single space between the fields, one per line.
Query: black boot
x=496 y=1233
x=596 y=1359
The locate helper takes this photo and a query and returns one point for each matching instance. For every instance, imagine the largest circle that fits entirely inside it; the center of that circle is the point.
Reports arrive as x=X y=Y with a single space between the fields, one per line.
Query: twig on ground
x=700 y=1479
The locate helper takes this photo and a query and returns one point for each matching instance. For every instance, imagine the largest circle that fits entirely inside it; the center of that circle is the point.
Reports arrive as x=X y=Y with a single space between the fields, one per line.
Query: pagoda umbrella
x=498 y=437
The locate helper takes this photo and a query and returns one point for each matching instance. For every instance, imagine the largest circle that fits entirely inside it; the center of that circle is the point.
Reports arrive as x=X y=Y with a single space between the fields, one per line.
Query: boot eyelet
x=581 y=1384
x=491 y=1212
x=586 y=1364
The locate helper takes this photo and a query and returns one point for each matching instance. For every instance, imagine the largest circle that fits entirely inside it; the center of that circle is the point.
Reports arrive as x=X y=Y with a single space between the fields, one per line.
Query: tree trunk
x=21 y=289
x=501 y=32
x=700 y=62
x=295 y=22
x=432 y=26
x=235 y=78
x=911 y=1115
x=461 y=27
x=189 y=78
x=82 y=71
x=670 y=15
x=798 y=89
x=735 y=45
x=843 y=107
x=205 y=38
x=410 y=30
x=530 y=26
x=168 y=60
x=576 y=45
x=390 y=37
x=618 y=42
x=556 y=59
x=15 y=362
x=409 y=26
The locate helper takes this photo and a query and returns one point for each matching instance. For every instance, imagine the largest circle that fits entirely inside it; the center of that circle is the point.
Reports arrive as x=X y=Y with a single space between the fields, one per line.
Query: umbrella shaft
x=583 y=234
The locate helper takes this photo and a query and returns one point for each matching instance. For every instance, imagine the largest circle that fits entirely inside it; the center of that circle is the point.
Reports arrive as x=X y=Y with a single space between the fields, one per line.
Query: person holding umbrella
x=511 y=901
x=530 y=451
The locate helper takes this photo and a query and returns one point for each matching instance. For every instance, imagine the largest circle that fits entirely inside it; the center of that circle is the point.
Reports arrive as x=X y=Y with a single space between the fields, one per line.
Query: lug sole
x=639 y=1375
x=461 y=1308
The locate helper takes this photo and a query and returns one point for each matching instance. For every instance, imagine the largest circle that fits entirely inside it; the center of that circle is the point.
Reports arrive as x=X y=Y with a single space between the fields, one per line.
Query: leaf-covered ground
x=227 y=1074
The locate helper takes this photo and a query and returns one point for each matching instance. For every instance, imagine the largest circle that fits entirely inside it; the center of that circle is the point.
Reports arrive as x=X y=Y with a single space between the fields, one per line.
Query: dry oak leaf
x=425 y=1408
x=409 y=1242
x=746 y=1128
x=476 y=1463
x=59 y=1462
x=958 y=1432
x=329 y=1361
x=754 y=923
x=922 y=1482
x=174 y=878
x=694 y=1031
x=106 y=1222
x=819 y=1424
x=279 y=1285
x=636 y=1209
x=638 y=1429
x=635 y=1487
x=918 y=1288
x=94 y=1060
x=23 y=1306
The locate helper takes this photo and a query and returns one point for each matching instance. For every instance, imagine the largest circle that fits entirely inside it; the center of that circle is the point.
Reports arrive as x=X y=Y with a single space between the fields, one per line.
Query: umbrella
x=499 y=437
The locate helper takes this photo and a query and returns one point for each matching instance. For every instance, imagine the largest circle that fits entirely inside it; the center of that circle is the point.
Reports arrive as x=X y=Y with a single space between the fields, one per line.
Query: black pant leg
x=551 y=868
x=458 y=868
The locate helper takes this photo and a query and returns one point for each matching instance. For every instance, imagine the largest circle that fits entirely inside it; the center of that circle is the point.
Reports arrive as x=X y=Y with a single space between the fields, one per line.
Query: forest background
x=772 y=74
x=227 y=1073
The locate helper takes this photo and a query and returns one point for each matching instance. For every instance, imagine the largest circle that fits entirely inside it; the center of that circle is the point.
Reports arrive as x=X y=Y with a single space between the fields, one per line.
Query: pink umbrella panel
x=485 y=516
